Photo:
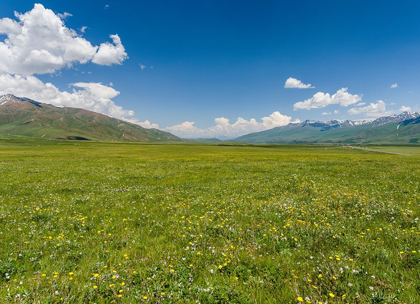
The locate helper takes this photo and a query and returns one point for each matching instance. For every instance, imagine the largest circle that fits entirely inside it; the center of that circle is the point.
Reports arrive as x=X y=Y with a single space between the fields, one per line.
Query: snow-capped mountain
x=406 y=129
x=373 y=122
x=395 y=118
x=10 y=99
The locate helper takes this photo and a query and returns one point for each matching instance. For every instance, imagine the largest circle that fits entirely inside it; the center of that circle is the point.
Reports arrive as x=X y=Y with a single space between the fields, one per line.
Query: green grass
x=91 y=222
x=411 y=150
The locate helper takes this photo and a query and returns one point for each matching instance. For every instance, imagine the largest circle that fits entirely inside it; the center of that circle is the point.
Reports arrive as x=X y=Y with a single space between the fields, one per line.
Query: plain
x=99 y=222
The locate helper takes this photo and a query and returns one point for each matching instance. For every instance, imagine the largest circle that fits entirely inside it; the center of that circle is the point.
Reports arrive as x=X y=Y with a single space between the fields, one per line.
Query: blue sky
x=204 y=60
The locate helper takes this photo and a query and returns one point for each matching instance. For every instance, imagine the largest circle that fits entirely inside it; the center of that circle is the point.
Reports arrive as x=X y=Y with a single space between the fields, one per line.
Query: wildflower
x=300 y=299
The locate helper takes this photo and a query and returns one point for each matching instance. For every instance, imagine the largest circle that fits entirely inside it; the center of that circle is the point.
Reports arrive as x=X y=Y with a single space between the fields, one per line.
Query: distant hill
x=205 y=140
x=26 y=117
x=402 y=129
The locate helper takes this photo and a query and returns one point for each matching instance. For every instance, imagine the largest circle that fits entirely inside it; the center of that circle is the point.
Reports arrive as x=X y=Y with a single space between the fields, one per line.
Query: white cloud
x=147 y=124
x=188 y=130
x=293 y=83
x=142 y=66
x=39 y=42
x=321 y=100
x=64 y=15
x=223 y=128
x=83 y=29
x=110 y=53
x=372 y=110
x=329 y=113
x=106 y=6
x=90 y=96
x=405 y=109
x=394 y=85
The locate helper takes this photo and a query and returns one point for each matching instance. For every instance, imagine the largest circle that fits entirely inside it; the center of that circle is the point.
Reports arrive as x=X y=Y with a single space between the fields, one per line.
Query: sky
x=214 y=68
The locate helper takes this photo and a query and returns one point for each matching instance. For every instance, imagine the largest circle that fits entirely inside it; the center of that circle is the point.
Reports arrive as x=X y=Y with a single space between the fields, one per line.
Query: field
x=130 y=223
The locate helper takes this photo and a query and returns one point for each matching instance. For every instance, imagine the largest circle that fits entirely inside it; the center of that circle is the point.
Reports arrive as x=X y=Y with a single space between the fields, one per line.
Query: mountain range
x=395 y=129
x=26 y=117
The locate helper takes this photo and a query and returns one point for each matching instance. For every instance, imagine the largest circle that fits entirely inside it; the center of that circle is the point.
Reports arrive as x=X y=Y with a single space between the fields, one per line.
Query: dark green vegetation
x=29 y=118
x=133 y=223
x=401 y=132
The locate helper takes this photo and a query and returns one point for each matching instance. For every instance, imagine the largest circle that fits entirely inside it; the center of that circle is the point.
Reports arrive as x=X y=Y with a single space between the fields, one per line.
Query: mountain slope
x=402 y=128
x=23 y=116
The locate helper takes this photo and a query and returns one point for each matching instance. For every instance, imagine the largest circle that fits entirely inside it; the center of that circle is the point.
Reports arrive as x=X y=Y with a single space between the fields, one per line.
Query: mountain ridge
x=24 y=116
x=399 y=128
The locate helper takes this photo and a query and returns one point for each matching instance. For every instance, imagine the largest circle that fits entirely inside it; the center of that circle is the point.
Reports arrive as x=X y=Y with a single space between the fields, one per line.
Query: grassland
x=410 y=150
x=133 y=223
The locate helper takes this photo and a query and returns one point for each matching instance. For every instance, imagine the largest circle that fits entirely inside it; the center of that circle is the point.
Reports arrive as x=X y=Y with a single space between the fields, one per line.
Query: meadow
x=138 y=223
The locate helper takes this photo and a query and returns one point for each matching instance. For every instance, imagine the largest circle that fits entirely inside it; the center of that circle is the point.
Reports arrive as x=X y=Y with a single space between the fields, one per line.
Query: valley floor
x=106 y=222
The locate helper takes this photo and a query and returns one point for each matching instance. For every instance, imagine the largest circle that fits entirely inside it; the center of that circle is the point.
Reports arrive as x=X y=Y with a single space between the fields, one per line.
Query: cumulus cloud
x=39 y=42
x=372 y=110
x=405 y=109
x=83 y=29
x=187 y=130
x=321 y=100
x=223 y=127
x=293 y=83
x=142 y=66
x=147 y=124
x=394 y=86
x=110 y=53
x=90 y=96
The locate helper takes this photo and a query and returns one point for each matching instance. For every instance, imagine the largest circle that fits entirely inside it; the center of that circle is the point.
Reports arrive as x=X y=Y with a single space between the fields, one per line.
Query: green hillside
x=39 y=120
x=404 y=132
